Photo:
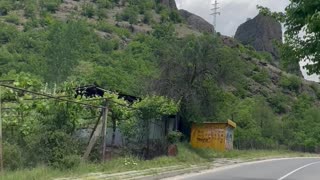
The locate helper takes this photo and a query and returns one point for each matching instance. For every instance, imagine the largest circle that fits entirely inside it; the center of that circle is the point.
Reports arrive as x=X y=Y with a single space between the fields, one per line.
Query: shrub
x=12 y=156
x=279 y=103
x=121 y=32
x=147 y=17
x=175 y=17
x=68 y=162
x=165 y=15
x=88 y=10
x=7 y=33
x=50 y=5
x=5 y=7
x=174 y=137
x=262 y=77
x=30 y=10
x=266 y=56
x=130 y=14
x=104 y=4
x=316 y=90
x=13 y=18
x=291 y=83
x=102 y=13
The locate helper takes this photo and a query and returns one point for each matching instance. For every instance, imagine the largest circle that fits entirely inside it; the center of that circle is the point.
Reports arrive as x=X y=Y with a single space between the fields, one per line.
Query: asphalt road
x=282 y=169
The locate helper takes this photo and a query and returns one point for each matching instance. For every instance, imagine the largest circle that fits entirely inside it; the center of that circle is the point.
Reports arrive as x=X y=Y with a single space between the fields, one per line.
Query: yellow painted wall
x=209 y=136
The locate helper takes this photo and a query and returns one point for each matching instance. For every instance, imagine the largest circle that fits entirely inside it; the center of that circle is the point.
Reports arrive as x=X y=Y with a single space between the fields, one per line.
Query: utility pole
x=1 y=156
x=214 y=13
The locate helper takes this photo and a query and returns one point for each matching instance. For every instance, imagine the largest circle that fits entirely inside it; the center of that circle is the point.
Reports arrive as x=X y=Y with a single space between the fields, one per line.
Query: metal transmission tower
x=214 y=13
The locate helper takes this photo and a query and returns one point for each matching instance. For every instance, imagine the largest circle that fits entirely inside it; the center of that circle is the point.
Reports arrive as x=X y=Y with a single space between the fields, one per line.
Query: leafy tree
x=301 y=16
x=69 y=43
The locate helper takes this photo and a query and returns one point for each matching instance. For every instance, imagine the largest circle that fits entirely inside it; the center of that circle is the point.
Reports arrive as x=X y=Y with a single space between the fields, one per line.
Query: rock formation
x=261 y=32
x=196 y=22
x=170 y=3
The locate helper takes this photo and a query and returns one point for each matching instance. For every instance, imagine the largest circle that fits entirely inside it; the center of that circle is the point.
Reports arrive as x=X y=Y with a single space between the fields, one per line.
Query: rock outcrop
x=170 y=3
x=196 y=22
x=261 y=32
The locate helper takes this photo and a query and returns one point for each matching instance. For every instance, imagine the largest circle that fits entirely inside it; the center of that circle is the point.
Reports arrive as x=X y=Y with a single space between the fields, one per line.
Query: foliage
x=174 y=137
x=12 y=156
x=12 y=18
x=195 y=77
x=291 y=83
x=50 y=5
x=301 y=16
x=88 y=10
x=155 y=107
x=130 y=14
x=261 y=77
x=5 y=7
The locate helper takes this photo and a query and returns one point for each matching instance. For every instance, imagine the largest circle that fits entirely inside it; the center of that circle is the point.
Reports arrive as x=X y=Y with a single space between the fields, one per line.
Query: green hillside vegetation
x=141 y=48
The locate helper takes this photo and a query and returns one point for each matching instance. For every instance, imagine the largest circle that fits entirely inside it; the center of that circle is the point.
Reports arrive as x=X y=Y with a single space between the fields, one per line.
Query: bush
x=130 y=14
x=104 y=4
x=262 y=77
x=175 y=17
x=50 y=5
x=266 y=56
x=13 y=18
x=12 y=156
x=291 y=83
x=147 y=17
x=121 y=32
x=279 y=103
x=53 y=148
x=316 y=90
x=174 y=137
x=102 y=13
x=7 y=33
x=5 y=7
x=68 y=162
x=88 y=10
x=30 y=10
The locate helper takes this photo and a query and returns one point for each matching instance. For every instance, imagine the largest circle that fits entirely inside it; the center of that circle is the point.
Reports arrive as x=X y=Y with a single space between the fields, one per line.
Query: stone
x=261 y=32
x=172 y=150
x=196 y=22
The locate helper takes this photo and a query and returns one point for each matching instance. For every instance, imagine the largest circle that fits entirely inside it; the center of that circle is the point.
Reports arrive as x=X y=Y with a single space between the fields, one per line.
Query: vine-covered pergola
x=99 y=127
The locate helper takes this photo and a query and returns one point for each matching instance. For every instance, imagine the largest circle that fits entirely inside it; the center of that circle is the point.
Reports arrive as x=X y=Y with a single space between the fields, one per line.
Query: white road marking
x=285 y=176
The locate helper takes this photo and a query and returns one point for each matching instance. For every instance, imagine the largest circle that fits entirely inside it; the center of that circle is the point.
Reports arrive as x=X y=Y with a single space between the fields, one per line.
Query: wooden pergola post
x=104 y=131
x=1 y=156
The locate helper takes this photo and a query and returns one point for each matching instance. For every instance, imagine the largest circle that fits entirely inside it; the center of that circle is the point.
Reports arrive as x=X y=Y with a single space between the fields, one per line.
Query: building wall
x=209 y=136
x=229 y=138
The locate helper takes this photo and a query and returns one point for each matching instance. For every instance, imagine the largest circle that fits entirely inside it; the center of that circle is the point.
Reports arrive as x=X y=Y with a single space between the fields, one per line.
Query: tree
x=69 y=43
x=301 y=17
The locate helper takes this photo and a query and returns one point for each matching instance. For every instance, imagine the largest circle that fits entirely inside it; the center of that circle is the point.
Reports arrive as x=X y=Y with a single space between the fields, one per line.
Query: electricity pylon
x=214 y=13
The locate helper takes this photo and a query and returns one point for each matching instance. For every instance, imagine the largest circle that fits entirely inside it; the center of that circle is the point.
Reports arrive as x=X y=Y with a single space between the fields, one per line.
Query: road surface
x=281 y=169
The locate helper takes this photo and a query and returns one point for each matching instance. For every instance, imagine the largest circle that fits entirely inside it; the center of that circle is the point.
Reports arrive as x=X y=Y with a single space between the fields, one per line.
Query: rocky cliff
x=195 y=22
x=261 y=32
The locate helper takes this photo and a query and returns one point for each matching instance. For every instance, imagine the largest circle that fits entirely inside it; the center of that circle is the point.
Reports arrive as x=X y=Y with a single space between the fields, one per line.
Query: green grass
x=186 y=156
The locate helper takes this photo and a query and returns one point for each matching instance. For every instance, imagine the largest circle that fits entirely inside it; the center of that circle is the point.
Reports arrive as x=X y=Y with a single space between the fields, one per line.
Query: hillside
x=140 y=48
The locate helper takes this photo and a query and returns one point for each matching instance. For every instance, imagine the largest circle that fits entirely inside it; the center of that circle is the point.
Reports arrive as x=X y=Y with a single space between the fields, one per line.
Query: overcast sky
x=233 y=13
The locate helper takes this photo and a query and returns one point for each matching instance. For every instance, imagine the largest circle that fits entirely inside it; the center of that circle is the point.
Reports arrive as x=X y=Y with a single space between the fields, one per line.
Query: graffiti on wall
x=209 y=135
x=229 y=139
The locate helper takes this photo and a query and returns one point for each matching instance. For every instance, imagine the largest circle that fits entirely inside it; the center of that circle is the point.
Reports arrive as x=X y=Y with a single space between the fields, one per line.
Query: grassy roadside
x=186 y=156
